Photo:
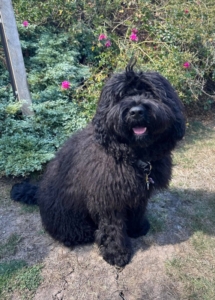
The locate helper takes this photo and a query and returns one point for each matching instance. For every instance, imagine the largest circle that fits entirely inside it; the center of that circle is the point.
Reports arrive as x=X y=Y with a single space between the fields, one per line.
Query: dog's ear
x=99 y=121
x=110 y=95
x=177 y=108
x=168 y=96
x=100 y=129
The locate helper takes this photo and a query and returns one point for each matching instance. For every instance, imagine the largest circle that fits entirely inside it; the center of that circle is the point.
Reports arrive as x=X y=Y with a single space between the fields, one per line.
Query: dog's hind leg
x=84 y=233
x=69 y=227
x=112 y=239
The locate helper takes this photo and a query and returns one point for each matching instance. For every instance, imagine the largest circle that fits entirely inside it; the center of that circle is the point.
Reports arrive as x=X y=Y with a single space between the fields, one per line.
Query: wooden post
x=14 y=58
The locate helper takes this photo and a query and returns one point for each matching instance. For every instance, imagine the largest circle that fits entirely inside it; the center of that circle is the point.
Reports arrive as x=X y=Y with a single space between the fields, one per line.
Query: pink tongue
x=139 y=130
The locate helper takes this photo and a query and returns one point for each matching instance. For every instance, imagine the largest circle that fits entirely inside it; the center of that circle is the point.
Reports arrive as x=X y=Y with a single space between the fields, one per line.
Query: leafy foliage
x=26 y=143
x=175 y=38
x=169 y=32
x=29 y=142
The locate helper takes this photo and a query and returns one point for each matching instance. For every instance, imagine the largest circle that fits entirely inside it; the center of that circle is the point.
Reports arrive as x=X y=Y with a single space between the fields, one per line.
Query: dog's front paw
x=115 y=255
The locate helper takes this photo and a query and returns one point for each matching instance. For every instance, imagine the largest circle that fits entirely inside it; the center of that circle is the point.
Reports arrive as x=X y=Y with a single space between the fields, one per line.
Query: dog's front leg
x=112 y=239
x=137 y=223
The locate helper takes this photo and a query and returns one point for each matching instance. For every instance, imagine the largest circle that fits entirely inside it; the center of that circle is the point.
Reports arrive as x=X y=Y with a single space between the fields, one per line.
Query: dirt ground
x=81 y=273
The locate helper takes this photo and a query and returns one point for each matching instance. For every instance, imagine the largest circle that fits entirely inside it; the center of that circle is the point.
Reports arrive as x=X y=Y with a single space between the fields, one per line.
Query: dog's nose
x=136 y=112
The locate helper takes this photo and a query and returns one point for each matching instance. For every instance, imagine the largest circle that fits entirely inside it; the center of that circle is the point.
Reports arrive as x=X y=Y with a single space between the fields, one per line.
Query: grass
x=9 y=248
x=4 y=192
x=25 y=208
x=157 y=213
x=193 y=183
x=157 y=222
x=195 y=268
x=15 y=275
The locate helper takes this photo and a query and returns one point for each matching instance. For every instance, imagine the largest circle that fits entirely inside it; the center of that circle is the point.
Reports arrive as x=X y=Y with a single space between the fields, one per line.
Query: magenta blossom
x=65 y=85
x=186 y=11
x=108 y=44
x=186 y=65
x=25 y=23
x=134 y=30
x=102 y=36
x=133 y=37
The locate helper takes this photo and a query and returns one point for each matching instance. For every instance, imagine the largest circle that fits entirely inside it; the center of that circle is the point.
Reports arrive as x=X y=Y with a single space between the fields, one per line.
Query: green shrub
x=29 y=142
x=26 y=143
x=61 y=43
x=170 y=34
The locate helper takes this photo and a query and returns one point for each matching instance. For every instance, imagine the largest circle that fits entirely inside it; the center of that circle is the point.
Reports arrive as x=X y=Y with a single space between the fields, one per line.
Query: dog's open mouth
x=139 y=130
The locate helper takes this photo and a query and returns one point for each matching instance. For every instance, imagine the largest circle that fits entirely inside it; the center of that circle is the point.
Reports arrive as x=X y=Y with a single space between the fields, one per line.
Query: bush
x=26 y=143
x=175 y=38
x=170 y=33
x=29 y=142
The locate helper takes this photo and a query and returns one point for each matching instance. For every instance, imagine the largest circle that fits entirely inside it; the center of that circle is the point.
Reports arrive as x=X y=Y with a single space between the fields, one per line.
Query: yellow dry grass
x=194 y=181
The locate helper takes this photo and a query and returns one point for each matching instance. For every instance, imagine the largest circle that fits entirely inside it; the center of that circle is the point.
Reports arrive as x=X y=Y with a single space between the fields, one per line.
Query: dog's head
x=138 y=108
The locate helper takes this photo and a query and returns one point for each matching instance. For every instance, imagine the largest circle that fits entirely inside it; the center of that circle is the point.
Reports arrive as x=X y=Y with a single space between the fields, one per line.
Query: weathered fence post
x=14 y=58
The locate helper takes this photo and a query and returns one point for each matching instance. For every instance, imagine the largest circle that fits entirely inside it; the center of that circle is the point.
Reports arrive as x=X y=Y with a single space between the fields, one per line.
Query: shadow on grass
x=197 y=209
x=196 y=132
x=177 y=214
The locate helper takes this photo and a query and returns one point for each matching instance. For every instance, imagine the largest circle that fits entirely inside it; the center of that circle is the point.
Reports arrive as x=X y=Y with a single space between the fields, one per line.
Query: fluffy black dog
x=98 y=185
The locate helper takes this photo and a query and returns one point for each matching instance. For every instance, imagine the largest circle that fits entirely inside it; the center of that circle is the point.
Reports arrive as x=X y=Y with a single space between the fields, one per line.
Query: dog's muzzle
x=136 y=115
x=136 y=112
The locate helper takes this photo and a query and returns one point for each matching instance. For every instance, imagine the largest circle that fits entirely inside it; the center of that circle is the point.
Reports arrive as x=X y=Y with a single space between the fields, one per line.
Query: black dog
x=98 y=185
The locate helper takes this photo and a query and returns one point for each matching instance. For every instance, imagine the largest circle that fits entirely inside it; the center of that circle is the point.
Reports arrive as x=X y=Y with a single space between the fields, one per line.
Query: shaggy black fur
x=98 y=185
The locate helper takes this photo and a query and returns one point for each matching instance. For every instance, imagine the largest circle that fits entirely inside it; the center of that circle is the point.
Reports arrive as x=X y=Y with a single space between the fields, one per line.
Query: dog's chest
x=121 y=185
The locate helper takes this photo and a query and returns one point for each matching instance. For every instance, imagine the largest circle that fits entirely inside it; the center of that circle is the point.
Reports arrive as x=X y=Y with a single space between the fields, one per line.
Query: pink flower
x=108 y=44
x=65 y=85
x=102 y=36
x=25 y=23
x=133 y=37
x=186 y=65
x=186 y=11
x=134 y=30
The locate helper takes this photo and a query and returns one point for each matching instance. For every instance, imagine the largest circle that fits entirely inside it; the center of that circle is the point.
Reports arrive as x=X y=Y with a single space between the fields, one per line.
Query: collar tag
x=147 y=167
